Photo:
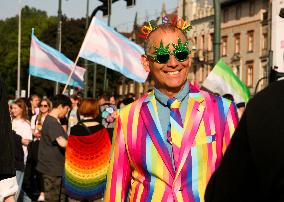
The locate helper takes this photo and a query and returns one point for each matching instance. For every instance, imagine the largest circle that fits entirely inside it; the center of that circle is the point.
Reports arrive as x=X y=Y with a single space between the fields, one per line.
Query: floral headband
x=181 y=24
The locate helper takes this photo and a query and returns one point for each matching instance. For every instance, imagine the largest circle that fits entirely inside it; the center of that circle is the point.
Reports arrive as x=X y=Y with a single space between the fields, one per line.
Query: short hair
x=163 y=27
x=62 y=100
x=22 y=104
x=75 y=97
x=89 y=107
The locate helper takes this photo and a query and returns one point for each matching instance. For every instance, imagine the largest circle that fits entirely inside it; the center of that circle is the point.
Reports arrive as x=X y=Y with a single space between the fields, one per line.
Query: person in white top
x=22 y=127
x=73 y=115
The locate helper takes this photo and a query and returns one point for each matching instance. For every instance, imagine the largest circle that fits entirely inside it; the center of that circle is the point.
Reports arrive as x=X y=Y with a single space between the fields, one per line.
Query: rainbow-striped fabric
x=86 y=164
x=141 y=168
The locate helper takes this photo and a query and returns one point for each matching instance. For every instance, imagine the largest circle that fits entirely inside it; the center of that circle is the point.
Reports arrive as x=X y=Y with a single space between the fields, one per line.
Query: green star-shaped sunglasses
x=162 y=54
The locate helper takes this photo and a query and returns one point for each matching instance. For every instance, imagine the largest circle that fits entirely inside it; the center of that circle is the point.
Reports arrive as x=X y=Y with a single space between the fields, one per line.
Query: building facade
x=201 y=16
x=245 y=40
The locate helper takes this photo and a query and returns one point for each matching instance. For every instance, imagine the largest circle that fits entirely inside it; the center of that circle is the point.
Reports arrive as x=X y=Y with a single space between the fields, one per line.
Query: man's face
x=169 y=77
x=63 y=111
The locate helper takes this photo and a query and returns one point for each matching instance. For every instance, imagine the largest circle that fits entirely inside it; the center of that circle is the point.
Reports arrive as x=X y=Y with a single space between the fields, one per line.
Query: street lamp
x=217 y=29
x=58 y=37
x=86 y=61
x=19 y=52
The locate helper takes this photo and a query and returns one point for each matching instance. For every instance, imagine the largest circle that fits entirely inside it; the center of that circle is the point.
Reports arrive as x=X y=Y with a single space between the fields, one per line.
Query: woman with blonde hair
x=37 y=120
x=45 y=107
x=21 y=126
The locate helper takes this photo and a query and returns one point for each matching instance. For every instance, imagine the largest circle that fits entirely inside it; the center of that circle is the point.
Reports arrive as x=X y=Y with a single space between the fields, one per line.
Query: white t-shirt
x=72 y=120
x=23 y=128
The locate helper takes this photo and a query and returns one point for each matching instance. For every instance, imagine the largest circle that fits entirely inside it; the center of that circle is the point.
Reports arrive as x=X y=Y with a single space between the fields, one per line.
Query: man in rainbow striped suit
x=165 y=153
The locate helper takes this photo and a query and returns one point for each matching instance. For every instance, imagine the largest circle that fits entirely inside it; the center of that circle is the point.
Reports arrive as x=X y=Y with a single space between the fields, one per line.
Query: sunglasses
x=43 y=105
x=162 y=54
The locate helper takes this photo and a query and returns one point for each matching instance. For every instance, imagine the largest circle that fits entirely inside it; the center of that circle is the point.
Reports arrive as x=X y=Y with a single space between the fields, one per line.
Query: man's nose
x=172 y=61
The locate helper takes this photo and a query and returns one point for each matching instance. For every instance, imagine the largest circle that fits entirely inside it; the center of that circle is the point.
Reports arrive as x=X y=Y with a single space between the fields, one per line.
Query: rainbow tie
x=175 y=128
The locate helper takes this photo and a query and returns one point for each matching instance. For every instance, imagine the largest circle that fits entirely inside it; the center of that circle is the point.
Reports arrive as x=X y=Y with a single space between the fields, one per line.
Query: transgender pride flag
x=49 y=63
x=105 y=46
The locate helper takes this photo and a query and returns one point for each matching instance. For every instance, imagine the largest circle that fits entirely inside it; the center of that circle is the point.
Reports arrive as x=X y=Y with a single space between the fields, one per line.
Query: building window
x=238 y=11
x=210 y=42
x=264 y=75
x=250 y=41
x=224 y=45
x=236 y=70
x=225 y=15
x=202 y=42
x=264 y=41
x=237 y=42
x=251 y=8
x=249 y=74
x=195 y=41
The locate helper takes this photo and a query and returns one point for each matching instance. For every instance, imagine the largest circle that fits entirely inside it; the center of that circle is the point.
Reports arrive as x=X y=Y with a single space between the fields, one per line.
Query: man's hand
x=61 y=141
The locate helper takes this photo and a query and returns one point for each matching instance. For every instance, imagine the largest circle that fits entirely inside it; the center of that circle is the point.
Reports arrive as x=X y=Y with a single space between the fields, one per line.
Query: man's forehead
x=170 y=37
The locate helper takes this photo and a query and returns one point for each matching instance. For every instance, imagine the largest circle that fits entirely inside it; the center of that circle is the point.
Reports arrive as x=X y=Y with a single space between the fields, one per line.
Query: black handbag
x=32 y=178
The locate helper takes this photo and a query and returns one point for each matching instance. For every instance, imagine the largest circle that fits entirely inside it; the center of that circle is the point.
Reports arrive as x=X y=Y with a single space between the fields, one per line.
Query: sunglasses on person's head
x=162 y=54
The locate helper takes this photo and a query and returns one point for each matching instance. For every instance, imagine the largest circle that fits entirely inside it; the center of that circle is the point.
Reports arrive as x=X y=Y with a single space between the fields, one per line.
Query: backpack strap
x=81 y=123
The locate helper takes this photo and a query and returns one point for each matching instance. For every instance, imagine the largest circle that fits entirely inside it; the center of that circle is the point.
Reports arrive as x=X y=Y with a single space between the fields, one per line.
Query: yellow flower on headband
x=179 y=23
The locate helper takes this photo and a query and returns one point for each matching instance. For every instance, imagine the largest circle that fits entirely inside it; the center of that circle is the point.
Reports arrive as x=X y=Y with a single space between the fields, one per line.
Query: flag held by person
x=105 y=46
x=222 y=80
x=48 y=63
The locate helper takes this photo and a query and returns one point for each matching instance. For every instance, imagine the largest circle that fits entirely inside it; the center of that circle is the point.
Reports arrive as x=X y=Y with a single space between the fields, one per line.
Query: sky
x=122 y=17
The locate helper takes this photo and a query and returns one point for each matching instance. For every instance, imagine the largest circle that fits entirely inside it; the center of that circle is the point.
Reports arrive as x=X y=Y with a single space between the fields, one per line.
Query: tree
x=73 y=33
x=31 y=18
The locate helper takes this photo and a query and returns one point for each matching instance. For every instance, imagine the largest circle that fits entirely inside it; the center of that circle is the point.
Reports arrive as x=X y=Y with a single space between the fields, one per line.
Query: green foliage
x=31 y=18
x=73 y=32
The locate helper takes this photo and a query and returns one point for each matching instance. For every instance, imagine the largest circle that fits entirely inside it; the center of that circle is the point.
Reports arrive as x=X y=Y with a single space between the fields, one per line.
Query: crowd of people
x=175 y=143
x=49 y=169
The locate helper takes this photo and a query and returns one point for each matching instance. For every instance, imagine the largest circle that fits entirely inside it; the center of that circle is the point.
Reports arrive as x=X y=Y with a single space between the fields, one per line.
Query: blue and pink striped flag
x=105 y=46
x=48 y=63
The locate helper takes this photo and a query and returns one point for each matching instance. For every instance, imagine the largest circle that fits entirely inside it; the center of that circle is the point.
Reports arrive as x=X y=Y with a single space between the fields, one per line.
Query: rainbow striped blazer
x=141 y=168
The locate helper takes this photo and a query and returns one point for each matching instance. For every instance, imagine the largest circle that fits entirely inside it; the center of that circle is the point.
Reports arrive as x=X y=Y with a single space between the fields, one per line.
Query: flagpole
x=29 y=86
x=19 y=52
x=70 y=75
x=58 y=37
x=73 y=69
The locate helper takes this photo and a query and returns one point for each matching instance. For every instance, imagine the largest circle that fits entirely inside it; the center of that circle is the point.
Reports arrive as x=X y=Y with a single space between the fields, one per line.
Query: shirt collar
x=162 y=98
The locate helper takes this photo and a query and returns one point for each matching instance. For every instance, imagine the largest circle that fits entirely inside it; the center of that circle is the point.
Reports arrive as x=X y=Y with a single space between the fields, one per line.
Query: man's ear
x=145 y=63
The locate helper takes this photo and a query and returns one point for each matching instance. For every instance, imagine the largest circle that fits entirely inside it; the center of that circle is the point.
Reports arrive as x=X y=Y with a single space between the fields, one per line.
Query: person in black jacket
x=253 y=165
x=8 y=183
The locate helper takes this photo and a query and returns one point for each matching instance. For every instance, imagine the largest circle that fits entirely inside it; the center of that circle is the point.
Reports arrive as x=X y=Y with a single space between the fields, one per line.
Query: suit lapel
x=151 y=121
x=194 y=114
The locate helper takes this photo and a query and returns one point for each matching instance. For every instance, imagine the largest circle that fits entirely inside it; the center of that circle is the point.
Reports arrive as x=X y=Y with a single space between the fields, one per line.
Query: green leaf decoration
x=180 y=47
x=162 y=50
